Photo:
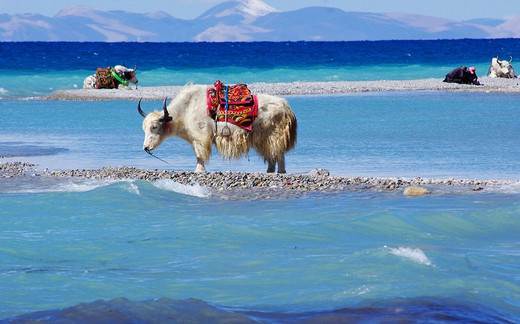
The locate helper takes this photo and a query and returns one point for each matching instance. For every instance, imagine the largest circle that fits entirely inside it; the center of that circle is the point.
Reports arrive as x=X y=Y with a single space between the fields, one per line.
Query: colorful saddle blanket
x=104 y=78
x=242 y=106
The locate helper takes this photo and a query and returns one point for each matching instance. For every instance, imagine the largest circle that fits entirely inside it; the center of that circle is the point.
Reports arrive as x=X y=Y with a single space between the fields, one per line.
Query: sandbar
x=261 y=185
x=489 y=85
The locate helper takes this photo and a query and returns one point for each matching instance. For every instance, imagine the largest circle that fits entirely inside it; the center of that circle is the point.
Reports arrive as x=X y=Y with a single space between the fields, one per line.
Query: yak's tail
x=273 y=142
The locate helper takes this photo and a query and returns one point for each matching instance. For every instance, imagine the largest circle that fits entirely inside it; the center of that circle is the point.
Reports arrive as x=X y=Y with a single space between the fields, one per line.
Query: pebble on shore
x=416 y=191
x=14 y=169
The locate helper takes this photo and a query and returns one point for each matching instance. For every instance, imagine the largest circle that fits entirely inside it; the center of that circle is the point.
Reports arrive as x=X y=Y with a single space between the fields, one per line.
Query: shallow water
x=414 y=134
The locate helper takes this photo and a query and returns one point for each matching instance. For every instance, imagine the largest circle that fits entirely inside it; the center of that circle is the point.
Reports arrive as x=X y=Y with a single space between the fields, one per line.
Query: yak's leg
x=200 y=166
x=202 y=152
x=271 y=164
x=281 y=164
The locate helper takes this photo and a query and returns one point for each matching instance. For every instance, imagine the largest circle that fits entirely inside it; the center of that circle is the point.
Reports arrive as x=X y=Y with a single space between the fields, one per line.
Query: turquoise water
x=144 y=240
x=406 y=134
x=66 y=242
x=381 y=256
x=13 y=84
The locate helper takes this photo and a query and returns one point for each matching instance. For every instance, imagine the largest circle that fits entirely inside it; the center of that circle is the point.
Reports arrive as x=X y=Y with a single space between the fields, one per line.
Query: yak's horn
x=135 y=67
x=511 y=60
x=139 y=108
x=166 y=117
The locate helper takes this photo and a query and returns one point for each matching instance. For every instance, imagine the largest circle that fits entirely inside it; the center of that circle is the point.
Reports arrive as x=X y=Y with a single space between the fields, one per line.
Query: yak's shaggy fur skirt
x=234 y=146
x=269 y=141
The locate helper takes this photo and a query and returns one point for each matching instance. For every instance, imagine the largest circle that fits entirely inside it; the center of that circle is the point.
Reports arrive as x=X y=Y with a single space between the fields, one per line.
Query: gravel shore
x=298 y=88
x=257 y=185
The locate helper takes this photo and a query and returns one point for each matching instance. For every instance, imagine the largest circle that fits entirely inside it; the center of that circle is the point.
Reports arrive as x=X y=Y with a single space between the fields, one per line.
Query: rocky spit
x=258 y=185
x=14 y=169
x=489 y=85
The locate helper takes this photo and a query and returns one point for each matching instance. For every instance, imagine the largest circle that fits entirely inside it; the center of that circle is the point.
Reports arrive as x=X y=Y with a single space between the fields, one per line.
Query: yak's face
x=502 y=67
x=154 y=131
x=126 y=73
x=507 y=69
x=155 y=127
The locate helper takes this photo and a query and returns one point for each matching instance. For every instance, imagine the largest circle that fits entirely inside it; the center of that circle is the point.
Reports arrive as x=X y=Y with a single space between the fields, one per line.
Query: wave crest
x=191 y=190
x=414 y=255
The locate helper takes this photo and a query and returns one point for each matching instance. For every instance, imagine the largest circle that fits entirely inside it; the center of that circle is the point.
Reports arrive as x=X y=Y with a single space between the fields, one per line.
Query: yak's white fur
x=91 y=81
x=274 y=130
x=501 y=69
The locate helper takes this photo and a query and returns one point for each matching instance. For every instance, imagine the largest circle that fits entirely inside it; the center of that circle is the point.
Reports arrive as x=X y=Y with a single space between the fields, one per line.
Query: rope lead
x=158 y=158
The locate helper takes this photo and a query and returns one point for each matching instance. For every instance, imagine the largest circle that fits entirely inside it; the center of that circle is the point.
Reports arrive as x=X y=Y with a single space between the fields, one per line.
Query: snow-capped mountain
x=245 y=20
x=248 y=9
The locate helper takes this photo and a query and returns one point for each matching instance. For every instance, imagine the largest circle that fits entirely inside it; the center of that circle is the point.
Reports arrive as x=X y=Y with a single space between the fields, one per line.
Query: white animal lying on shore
x=501 y=69
x=117 y=77
x=273 y=133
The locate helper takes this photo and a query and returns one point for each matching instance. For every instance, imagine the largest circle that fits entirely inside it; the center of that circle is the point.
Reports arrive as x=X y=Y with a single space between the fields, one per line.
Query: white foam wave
x=191 y=190
x=83 y=186
x=414 y=255
x=46 y=185
x=133 y=188
x=512 y=187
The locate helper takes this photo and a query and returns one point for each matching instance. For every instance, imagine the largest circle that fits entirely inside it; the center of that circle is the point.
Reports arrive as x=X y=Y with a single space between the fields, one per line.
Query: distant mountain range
x=245 y=20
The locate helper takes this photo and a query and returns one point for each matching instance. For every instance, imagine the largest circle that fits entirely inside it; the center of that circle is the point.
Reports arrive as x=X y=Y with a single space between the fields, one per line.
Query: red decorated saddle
x=241 y=105
x=104 y=78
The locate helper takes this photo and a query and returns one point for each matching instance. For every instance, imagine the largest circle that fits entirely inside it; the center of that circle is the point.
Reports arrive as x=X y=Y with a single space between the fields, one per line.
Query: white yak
x=501 y=69
x=273 y=133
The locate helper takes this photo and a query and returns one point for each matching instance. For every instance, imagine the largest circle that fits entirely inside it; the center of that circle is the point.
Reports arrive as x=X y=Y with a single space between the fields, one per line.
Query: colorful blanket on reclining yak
x=104 y=78
x=242 y=106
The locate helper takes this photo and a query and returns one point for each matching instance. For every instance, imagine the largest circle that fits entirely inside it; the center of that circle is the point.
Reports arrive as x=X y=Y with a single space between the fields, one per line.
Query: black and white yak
x=117 y=77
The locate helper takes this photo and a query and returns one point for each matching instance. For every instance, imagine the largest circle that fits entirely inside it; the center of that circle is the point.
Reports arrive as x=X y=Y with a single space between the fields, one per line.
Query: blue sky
x=188 y=9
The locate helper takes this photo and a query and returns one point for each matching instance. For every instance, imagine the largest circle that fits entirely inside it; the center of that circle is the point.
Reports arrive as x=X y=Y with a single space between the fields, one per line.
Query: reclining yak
x=117 y=77
x=501 y=69
x=273 y=132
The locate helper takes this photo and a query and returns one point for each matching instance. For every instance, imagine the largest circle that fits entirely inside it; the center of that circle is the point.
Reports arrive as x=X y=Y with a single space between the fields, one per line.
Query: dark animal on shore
x=273 y=132
x=117 y=77
x=501 y=69
x=462 y=75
